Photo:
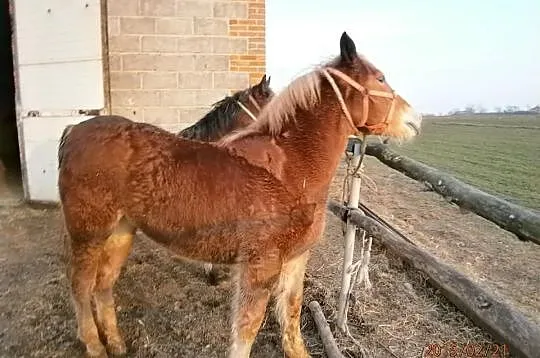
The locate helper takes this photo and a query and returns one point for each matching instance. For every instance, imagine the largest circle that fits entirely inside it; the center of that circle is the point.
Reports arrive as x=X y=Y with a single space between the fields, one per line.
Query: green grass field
x=499 y=154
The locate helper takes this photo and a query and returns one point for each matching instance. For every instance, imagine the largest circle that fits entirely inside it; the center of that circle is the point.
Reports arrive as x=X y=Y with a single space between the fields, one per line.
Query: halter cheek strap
x=254 y=103
x=366 y=94
x=245 y=109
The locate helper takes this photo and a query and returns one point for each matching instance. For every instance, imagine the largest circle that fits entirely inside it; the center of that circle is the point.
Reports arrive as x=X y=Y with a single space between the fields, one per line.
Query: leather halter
x=254 y=103
x=367 y=93
x=245 y=109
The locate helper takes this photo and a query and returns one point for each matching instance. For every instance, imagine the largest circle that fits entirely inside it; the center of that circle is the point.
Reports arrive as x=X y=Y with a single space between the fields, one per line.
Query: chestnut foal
x=256 y=200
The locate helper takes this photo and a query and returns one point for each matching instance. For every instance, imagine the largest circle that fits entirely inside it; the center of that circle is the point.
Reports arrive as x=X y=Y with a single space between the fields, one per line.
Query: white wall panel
x=59 y=72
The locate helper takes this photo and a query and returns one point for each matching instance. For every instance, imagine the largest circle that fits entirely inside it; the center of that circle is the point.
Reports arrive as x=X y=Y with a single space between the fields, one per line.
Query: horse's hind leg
x=254 y=286
x=289 y=297
x=114 y=255
x=85 y=256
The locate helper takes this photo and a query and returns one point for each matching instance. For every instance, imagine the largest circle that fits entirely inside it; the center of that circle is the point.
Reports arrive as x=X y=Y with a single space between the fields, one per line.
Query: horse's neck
x=306 y=155
x=313 y=149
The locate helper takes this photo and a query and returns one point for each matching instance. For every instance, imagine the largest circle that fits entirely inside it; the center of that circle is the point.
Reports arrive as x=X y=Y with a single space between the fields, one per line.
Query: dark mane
x=219 y=121
x=63 y=138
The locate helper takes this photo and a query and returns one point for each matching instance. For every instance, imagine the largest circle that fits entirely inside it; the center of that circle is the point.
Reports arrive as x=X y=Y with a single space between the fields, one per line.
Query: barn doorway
x=10 y=166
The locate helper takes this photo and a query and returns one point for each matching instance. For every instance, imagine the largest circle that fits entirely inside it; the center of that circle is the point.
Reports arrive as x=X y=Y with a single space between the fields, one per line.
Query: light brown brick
x=191 y=44
x=255 y=77
x=125 y=80
x=171 y=127
x=211 y=63
x=159 y=80
x=158 y=44
x=257 y=28
x=125 y=43
x=194 y=80
x=177 y=98
x=255 y=4
x=229 y=80
x=115 y=63
x=113 y=26
x=133 y=113
x=211 y=27
x=174 y=26
x=208 y=97
x=147 y=62
x=228 y=45
x=157 y=7
x=134 y=98
x=122 y=8
x=191 y=115
x=193 y=8
x=142 y=25
x=161 y=115
x=232 y=10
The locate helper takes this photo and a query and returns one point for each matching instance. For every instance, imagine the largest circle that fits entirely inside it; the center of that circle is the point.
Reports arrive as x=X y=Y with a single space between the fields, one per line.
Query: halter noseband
x=245 y=109
x=366 y=94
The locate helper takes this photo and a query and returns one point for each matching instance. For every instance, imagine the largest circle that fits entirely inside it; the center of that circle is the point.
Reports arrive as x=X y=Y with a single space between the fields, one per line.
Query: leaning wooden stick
x=329 y=343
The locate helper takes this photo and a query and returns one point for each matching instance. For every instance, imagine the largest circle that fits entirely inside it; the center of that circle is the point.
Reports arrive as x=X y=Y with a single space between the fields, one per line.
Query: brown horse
x=257 y=200
x=229 y=114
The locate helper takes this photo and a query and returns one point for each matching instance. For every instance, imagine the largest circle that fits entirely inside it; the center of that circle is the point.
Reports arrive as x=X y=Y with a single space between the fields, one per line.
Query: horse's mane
x=303 y=93
x=63 y=138
x=220 y=119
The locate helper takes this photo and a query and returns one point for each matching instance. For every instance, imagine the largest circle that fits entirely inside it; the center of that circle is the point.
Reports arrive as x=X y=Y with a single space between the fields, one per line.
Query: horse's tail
x=63 y=138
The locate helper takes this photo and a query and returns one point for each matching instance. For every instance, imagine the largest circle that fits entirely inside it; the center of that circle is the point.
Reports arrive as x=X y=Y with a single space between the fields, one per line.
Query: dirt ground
x=167 y=309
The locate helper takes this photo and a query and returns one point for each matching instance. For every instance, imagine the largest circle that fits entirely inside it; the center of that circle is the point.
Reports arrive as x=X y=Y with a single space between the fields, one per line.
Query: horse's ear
x=348 y=48
x=263 y=85
x=262 y=82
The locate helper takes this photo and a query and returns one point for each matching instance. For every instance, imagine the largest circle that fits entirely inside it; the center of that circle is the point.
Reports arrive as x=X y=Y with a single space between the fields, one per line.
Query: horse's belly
x=216 y=244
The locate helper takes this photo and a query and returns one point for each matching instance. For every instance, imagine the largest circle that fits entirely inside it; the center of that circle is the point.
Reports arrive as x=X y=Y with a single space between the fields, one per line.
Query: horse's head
x=367 y=100
x=254 y=98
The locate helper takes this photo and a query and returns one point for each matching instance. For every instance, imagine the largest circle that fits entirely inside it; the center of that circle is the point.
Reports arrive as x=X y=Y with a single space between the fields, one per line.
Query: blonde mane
x=304 y=92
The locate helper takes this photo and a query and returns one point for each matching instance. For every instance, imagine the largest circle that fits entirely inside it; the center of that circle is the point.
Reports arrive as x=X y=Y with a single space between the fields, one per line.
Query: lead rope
x=360 y=269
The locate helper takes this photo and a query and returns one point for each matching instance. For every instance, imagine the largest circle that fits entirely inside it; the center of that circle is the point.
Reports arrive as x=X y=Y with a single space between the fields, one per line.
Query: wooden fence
x=501 y=320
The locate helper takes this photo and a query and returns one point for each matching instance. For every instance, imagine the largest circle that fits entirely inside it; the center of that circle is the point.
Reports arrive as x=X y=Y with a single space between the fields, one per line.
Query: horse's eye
x=381 y=79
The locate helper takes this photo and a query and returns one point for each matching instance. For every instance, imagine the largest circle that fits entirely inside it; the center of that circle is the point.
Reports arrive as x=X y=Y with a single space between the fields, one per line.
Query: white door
x=59 y=71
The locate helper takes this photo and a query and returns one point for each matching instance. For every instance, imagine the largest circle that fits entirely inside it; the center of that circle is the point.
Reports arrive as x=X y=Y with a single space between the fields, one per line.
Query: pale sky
x=439 y=55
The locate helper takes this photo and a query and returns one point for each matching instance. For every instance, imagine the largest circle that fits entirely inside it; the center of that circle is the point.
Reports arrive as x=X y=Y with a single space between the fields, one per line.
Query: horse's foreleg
x=289 y=297
x=254 y=286
x=114 y=255
x=84 y=261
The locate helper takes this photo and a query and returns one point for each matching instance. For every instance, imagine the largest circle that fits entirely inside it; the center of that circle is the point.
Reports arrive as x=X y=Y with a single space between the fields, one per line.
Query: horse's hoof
x=212 y=278
x=96 y=351
x=215 y=275
x=117 y=348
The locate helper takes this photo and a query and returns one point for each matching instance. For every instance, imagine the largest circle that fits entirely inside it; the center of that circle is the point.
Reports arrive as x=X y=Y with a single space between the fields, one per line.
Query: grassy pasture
x=498 y=153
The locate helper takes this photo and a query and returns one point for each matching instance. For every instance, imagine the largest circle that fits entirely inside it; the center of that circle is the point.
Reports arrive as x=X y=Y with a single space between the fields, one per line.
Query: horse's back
x=165 y=185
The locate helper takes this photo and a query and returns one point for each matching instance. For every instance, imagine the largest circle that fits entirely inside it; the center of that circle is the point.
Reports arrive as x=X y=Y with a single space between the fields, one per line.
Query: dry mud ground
x=166 y=308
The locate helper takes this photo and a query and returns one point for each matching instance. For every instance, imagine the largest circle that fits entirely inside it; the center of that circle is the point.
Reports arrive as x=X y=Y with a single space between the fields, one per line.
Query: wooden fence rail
x=505 y=323
x=522 y=222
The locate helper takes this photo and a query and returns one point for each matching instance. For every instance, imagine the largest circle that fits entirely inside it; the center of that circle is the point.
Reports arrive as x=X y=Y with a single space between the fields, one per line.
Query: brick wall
x=169 y=60
x=252 y=27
